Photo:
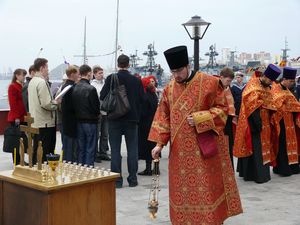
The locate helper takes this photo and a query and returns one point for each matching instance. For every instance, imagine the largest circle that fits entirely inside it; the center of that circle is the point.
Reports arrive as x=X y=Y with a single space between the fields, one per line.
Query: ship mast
x=232 y=57
x=84 y=55
x=117 y=34
x=84 y=43
x=212 y=56
x=150 y=60
x=134 y=60
x=285 y=50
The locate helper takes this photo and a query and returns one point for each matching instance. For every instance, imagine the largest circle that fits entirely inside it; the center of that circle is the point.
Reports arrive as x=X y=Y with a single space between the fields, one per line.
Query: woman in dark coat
x=147 y=114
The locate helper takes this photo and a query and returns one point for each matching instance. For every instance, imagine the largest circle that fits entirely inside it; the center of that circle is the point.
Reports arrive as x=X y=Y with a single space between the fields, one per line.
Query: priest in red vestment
x=252 y=144
x=191 y=115
x=284 y=120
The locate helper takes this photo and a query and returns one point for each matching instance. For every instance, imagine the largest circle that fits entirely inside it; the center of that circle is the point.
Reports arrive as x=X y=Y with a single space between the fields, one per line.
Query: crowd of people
x=85 y=128
x=207 y=120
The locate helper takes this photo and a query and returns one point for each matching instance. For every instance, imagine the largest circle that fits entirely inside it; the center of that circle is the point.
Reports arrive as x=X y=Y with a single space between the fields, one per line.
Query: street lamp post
x=195 y=23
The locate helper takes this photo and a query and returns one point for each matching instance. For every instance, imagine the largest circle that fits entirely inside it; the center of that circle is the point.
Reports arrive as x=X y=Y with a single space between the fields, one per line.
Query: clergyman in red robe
x=191 y=115
x=252 y=144
x=284 y=120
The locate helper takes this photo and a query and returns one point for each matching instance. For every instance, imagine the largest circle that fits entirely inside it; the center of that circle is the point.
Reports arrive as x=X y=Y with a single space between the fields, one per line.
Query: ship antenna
x=117 y=34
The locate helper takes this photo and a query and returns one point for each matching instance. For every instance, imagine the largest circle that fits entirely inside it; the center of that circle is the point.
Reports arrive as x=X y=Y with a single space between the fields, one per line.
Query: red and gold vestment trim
x=230 y=101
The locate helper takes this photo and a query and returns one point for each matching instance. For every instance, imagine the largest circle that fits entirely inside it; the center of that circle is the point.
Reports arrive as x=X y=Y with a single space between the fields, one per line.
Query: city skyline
x=57 y=27
x=241 y=58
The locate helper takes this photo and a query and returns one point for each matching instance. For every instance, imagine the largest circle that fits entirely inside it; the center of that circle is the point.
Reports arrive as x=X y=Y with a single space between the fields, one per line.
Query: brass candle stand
x=33 y=173
x=53 y=171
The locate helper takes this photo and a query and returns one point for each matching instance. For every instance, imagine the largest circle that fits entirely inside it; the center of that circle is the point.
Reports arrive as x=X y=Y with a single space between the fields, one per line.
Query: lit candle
x=61 y=155
x=15 y=156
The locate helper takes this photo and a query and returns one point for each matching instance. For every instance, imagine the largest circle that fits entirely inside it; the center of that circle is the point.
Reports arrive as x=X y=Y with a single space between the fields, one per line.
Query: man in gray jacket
x=42 y=108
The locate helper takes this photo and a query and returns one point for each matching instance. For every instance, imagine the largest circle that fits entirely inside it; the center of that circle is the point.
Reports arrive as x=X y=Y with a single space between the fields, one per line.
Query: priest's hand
x=191 y=121
x=156 y=151
x=235 y=120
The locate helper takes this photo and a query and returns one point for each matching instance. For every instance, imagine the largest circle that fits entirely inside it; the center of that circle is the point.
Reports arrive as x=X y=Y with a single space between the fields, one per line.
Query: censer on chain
x=154 y=190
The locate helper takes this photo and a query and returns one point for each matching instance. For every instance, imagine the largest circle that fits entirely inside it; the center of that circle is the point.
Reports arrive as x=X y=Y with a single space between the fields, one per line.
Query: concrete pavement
x=274 y=203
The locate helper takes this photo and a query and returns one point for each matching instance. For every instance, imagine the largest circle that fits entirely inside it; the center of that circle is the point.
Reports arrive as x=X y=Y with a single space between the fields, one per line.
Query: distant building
x=7 y=74
x=263 y=57
x=225 y=55
x=244 y=58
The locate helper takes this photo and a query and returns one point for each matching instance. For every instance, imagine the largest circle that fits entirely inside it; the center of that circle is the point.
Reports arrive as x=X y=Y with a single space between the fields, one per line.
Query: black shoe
x=157 y=173
x=133 y=184
x=105 y=157
x=98 y=160
x=119 y=185
x=145 y=173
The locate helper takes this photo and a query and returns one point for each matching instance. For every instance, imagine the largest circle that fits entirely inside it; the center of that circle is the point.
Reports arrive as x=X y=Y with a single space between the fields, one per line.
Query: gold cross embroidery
x=183 y=106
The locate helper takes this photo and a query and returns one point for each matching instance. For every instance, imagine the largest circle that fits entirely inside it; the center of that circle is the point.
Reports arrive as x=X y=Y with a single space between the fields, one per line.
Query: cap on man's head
x=239 y=74
x=272 y=72
x=289 y=73
x=177 y=57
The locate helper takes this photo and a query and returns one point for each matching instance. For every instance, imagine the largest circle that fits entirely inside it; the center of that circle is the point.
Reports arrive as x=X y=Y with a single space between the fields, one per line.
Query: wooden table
x=86 y=202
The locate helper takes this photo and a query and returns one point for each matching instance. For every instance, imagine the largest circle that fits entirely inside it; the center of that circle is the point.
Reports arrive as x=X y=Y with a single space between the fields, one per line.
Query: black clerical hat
x=177 y=57
x=272 y=72
x=289 y=73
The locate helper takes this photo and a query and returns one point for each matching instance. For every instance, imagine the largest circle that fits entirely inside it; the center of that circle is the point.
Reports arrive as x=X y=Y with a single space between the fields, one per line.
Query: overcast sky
x=57 y=27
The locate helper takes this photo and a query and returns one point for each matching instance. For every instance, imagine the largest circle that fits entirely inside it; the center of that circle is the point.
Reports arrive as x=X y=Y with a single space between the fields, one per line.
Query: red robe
x=202 y=191
x=254 y=96
x=286 y=105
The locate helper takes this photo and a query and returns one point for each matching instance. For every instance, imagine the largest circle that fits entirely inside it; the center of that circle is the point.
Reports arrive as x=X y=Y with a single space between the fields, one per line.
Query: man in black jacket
x=28 y=78
x=69 y=123
x=87 y=111
x=126 y=125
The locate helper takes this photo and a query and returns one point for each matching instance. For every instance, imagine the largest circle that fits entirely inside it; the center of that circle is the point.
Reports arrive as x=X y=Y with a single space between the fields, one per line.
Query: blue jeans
x=87 y=143
x=115 y=130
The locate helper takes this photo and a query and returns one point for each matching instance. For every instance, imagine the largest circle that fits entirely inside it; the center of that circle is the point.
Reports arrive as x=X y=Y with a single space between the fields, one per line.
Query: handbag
x=208 y=144
x=109 y=102
x=116 y=103
x=12 y=136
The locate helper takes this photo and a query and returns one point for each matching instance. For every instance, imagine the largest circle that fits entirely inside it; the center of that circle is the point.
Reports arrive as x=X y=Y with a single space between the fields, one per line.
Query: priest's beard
x=183 y=80
x=265 y=84
x=292 y=88
x=180 y=82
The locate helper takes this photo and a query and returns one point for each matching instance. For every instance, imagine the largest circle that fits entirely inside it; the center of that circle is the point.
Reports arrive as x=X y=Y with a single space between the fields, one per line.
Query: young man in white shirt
x=102 y=149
